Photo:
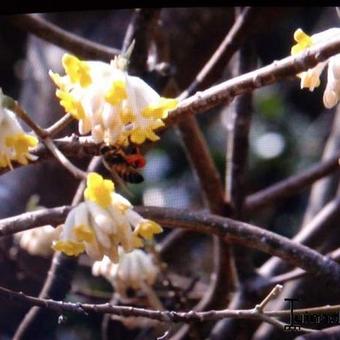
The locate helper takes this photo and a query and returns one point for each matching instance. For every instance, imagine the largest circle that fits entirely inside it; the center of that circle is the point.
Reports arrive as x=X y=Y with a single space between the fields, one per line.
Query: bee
x=123 y=163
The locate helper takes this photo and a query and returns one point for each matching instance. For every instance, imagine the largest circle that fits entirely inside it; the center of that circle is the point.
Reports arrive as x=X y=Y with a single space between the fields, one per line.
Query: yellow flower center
x=70 y=104
x=98 y=189
x=21 y=143
x=78 y=71
x=303 y=41
x=70 y=248
x=127 y=116
x=160 y=109
x=137 y=242
x=83 y=233
x=5 y=161
x=116 y=93
x=147 y=229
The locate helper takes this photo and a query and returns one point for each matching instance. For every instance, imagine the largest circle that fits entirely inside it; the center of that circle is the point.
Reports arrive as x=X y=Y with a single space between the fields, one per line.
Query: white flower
x=112 y=105
x=133 y=270
x=14 y=142
x=311 y=78
x=38 y=241
x=104 y=221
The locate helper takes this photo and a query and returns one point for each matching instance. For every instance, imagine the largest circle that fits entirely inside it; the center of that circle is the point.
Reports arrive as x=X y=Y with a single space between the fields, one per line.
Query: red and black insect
x=124 y=162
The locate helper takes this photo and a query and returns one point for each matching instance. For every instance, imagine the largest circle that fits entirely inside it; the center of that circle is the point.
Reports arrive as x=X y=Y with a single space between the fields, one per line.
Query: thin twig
x=22 y=114
x=295 y=273
x=59 y=125
x=80 y=147
x=43 y=29
x=315 y=231
x=173 y=316
x=278 y=70
x=273 y=294
x=76 y=172
x=227 y=47
x=139 y=30
x=291 y=185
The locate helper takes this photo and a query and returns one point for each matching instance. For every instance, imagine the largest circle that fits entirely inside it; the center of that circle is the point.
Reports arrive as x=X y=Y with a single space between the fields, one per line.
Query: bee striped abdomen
x=128 y=174
x=123 y=164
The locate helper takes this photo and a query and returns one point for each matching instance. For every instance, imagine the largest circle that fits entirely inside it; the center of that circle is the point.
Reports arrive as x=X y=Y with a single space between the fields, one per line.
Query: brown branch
x=293 y=274
x=75 y=44
x=80 y=147
x=292 y=184
x=278 y=70
x=239 y=119
x=60 y=125
x=126 y=311
x=139 y=30
x=321 y=193
x=229 y=229
x=227 y=47
x=202 y=164
x=29 y=220
x=73 y=146
x=43 y=135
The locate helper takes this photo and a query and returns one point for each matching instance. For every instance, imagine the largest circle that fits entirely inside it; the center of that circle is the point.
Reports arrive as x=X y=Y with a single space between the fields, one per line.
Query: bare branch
x=228 y=46
x=20 y=112
x=55 y=35
x=297 y=272
x=278 y=70
x=292 y=184
x=59 y=125
x=273 y=294
x=139 y=30
x=231 y=230
x=76 y=172
x=172 y=316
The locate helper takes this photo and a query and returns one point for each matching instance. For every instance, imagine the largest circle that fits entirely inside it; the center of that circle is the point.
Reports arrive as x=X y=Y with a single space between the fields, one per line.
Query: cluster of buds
x=103 y=222
x=38 y=241
x=311 y=78
x=115 y=107
x=134 y=270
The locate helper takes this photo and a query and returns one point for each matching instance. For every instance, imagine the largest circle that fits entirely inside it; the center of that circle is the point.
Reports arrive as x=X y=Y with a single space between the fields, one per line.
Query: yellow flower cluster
x=103 y=222
x=115 y=107
x=14 y=142
x=311 y=78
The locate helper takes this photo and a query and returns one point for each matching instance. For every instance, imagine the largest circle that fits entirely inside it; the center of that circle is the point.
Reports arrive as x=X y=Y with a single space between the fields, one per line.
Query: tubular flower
x=311 y=78
x=114 y=106
x=14 y=142
x=38 y=241
x=104 y=221
x=133 y=270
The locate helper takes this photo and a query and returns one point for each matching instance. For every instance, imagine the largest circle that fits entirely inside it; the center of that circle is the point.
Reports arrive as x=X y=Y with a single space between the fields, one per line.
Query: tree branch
x=167 y=316
x=278 y=70
x=291 y=185
x=227 y=47
x=55 y=35
x=201 y=222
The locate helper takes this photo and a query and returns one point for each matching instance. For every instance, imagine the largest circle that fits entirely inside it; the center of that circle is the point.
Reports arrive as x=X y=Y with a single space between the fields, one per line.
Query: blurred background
x=288 y=132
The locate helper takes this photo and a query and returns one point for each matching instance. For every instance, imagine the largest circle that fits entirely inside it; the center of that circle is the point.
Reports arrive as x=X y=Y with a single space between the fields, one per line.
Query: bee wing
x=117 y=180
